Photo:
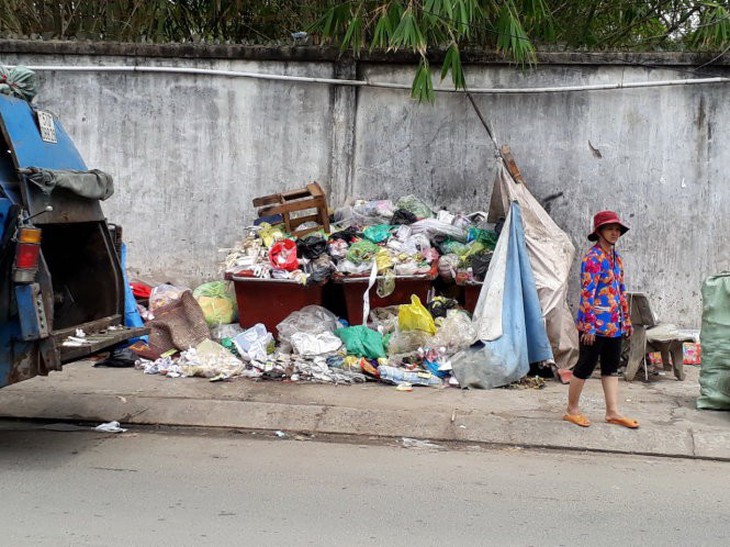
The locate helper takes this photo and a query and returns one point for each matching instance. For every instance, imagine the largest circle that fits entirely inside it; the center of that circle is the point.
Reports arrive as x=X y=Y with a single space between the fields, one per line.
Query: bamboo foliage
x=424 y=27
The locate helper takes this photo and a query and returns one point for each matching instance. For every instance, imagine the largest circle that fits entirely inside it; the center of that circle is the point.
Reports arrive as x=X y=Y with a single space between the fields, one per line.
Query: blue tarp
x=523 y=340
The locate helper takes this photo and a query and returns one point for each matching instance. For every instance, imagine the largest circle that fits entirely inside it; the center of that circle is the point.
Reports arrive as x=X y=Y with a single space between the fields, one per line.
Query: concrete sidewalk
x=670 y=424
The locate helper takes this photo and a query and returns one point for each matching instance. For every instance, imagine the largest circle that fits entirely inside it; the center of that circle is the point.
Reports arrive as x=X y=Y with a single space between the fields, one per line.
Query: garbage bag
x=455 y=331
x=165 y=294
x=217 y=301
x=348 y=235
x=487 y=237
x=311 y=247
x=415 y=316
x=254 y=344
x=440 y=305
x=385 y=319
x=209 y=359
x=377 y=233
x=319 y=270
x=283 y=255
x=119 y=358
x=312 y=319
x=480 y=265
x=18 y=82
x=407 y=341
x=715 y=337
x=403 y=216
x=362 y=341
x=416 y=206
x=362 y=251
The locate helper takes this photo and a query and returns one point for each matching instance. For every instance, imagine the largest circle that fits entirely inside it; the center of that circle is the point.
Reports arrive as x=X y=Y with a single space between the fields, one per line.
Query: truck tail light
x=27 y=254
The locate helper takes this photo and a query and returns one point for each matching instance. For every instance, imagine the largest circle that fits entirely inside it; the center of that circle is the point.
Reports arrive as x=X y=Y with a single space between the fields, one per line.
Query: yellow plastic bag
x=415 y=316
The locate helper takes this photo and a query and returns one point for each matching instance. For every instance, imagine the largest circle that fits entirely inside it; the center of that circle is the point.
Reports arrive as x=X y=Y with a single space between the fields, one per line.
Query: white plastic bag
x=310 y=319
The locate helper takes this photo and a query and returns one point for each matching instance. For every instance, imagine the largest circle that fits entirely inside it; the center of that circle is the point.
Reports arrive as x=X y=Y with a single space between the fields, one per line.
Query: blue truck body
x=79 y=284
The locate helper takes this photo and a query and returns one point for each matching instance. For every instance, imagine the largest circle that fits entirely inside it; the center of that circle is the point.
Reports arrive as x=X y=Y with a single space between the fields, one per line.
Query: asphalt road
x=76 y=487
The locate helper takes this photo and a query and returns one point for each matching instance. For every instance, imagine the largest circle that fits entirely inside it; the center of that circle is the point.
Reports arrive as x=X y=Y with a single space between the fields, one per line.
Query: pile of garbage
x=405 y=345
x=405 y=238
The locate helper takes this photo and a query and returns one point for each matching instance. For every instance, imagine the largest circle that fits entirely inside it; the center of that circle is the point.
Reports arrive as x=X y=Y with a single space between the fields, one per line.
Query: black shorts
x=608 y=349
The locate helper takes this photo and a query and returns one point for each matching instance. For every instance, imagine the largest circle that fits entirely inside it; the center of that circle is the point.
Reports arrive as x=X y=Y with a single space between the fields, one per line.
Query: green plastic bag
x=377 y=233
x=715 y=337
x=217 y=302
x=488 y=238
x=362 y=341
x=415 y=316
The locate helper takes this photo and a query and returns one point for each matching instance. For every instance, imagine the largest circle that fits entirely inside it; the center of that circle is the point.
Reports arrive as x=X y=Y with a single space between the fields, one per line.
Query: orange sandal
x=626 y=422
x=577 y=419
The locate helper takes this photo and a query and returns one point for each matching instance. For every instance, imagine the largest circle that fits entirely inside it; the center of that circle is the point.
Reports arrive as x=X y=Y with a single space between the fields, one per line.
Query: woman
x=603 y=319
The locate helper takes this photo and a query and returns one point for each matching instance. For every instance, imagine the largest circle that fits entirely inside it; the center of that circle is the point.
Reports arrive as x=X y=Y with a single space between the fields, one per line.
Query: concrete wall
x=188 y=153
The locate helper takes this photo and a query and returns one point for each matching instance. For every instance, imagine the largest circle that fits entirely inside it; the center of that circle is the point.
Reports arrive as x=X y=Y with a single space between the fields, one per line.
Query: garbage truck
x=62 y=287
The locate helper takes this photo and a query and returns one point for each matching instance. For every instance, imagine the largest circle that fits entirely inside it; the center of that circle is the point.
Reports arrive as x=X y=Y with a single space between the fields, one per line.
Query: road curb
x=312 y=419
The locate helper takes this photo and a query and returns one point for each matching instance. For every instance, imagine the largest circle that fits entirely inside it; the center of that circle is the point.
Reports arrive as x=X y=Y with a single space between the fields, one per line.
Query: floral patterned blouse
x=603 y=308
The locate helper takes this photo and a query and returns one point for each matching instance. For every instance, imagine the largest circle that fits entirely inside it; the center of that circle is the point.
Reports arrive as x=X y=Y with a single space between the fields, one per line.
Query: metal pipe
x=384 y=85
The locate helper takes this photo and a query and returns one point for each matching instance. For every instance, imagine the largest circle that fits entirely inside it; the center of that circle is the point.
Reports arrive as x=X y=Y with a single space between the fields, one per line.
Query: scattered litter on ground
x=418 y=443
x=110 y=427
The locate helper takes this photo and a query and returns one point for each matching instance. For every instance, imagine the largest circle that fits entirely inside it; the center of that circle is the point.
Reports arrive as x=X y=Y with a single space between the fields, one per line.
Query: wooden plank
x=509 y=160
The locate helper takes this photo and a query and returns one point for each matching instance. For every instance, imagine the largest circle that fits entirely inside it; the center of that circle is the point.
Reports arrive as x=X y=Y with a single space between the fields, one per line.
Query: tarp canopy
x=551 y=255
x=508 y=318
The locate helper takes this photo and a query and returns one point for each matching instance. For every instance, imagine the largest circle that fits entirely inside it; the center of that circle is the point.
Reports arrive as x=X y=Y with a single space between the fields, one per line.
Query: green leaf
x=422 y=88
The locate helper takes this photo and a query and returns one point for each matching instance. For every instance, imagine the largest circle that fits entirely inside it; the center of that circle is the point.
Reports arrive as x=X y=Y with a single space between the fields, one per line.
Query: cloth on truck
x=92 y=184
x=508 y=319
x=179 y=325
x=18 y=82
x=551 y=256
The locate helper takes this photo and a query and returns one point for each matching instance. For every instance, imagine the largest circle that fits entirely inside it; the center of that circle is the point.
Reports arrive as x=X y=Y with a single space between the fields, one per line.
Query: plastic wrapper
x=416 y=206
x=385 y=319
x=403 y=341
x=362 y=252
x=455 y=331
x=310 y=345
x=337 y=248
x=217 y=301
x=165 y=294
x=396 y=376
x=415 y=316
x=386 y=283
x=366 y=213
x=311 y=247
x=432 y=227
x=310 y=319
x=448 y=266
x=254 y=344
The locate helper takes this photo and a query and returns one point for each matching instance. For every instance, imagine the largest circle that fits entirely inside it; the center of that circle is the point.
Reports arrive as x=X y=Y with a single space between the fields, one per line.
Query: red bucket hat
x=603 y=218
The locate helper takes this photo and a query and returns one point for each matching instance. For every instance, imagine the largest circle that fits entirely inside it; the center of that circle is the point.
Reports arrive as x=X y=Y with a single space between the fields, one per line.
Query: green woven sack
x=715 y=338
